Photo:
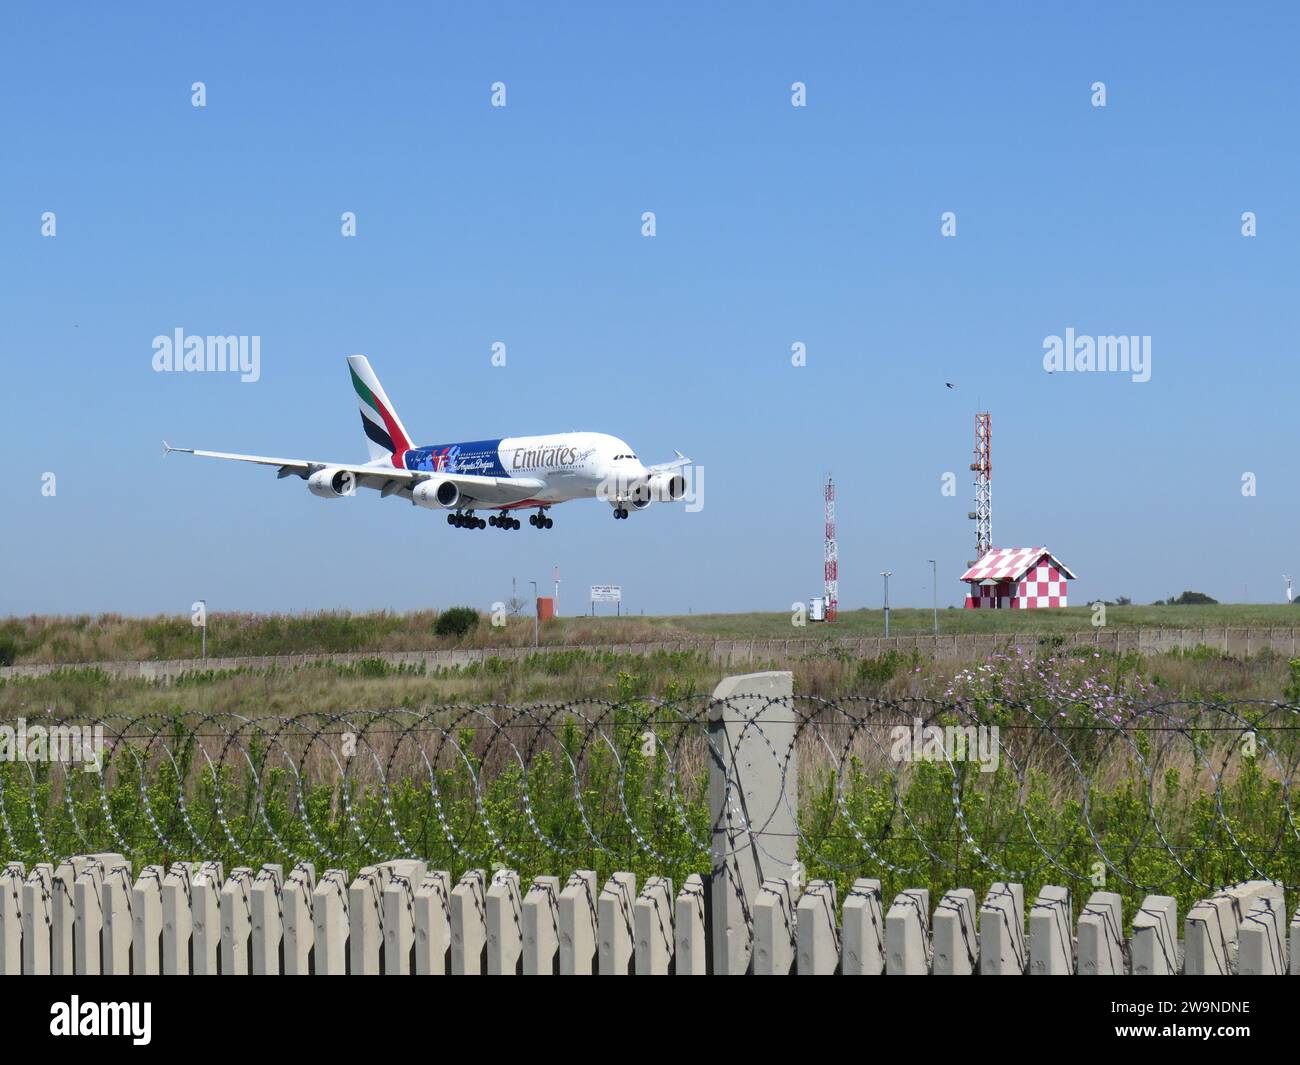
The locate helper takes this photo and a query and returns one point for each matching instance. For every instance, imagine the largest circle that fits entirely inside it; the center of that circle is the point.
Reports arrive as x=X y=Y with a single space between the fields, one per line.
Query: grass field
x=113 y=637
x=1054 y=803
x=1212 y=823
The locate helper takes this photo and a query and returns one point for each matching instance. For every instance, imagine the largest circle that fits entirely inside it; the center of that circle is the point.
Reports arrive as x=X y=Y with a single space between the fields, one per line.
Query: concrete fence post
x=578 y=924
x=1295 y=939
x=236 y=922
x=63 y=912
x=1003 y=950
x=37 y=919
x=690 y=928
x=1051 y=944
x=656 y=939
x=331 y=924
x=956 y=945
x=433 y=924
x=399 y=925
x=365 y=921
x=146 y=922
x=863 y=946
x=774 y=929
x=1101 y=935
x=1262 y=940
x=752 y=726
x=614 y=924
x=205 y=918
x=267 y=933
x=296 y=911
x=505 y=925
x=817 y=936
x=541 y=919
x=907 y=934
x=177 y=918
x=88 y=927
x=118 y=932
x=469 y=924
x=11 y=918
x=1155 y=937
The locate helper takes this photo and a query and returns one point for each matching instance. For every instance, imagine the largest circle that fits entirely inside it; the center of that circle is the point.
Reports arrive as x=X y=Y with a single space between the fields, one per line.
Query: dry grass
x=115 y=637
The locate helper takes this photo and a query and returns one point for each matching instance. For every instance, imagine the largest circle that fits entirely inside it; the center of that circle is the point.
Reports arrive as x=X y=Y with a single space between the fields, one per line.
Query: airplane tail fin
x=385 y=435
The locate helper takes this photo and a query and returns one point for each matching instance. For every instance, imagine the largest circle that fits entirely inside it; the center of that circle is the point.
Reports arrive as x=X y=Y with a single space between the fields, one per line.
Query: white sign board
x=606 y=593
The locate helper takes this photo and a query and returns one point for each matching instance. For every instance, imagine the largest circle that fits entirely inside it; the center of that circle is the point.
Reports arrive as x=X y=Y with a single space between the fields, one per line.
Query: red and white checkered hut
x=1017 y=578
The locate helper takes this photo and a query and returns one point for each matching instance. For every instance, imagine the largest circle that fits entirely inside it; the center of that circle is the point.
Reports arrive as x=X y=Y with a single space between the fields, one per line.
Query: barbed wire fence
x=1176 y=798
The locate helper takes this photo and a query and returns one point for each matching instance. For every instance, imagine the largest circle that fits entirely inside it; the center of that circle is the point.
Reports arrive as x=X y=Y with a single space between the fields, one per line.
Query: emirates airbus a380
x=514 y=473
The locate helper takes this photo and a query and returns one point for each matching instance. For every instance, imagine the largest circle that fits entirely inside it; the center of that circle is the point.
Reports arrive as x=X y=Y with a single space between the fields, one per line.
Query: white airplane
x=514 y=473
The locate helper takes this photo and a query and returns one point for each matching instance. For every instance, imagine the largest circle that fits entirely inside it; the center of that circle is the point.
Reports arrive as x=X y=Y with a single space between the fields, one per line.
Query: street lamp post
x=887 y=574
x=204 y=638
x=934 y=581
x=536 y=623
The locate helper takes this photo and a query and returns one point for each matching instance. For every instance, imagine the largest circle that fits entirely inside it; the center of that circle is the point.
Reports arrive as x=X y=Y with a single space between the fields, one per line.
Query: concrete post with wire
x=236 y=921
x=205 y=919
x=11 y=916
x=147 y=922
x=541 y=918
x=266 y=937
x=690 y=930
x=469 y=924
x=1154 y=945
x=615 y=923
x=505 y=925
x=653 y=920
x=433 y=924
x=753 y=799
x=296 y=908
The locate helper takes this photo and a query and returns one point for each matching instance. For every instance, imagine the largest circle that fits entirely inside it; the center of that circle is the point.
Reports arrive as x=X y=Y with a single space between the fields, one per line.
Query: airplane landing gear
x=503 y=521
x=620 y=512
x=540 y=520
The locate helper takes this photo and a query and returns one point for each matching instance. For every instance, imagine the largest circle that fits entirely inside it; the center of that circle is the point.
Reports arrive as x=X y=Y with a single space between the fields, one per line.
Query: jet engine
x=667 y=487
x=332 y=483
x=436 y=494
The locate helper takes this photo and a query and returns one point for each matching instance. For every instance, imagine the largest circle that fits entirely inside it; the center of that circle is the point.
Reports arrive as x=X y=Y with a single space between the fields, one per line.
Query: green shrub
x=8 y=650
x=456 y=621
x=886 y=667
x=1190 y=599
x=1292 y=691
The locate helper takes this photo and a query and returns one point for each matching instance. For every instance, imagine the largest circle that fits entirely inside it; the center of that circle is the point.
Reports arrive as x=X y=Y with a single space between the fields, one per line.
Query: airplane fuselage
x=572 y=465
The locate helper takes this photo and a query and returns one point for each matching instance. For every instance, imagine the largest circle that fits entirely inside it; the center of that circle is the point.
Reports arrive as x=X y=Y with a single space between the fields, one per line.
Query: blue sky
x=775 y=224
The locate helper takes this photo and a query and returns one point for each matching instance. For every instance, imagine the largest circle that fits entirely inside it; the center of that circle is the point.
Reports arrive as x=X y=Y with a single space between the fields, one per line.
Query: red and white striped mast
x=982 y=467
x=832 y=557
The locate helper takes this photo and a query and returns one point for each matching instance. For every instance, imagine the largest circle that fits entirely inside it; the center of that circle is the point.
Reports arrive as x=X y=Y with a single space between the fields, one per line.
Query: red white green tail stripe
x=385 y=434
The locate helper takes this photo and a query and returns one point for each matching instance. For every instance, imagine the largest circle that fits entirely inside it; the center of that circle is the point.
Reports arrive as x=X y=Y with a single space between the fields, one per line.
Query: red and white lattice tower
x=832 y=555
x=982 y=515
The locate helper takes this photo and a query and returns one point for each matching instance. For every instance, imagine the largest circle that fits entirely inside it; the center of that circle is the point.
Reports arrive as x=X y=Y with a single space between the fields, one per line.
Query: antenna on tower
x=982 y=515
x=832 y=557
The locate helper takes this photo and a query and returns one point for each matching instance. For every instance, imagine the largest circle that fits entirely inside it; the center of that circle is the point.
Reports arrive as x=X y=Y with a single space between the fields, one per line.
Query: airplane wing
x=389 y=480
x=677 y=463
